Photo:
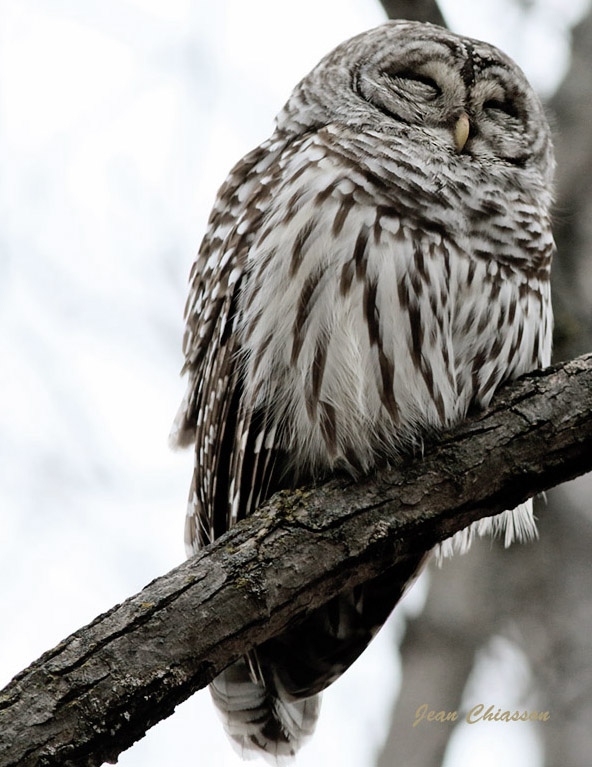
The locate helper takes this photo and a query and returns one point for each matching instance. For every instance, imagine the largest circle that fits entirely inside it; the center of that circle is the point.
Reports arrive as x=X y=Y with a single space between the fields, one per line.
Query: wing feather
x=234 y=445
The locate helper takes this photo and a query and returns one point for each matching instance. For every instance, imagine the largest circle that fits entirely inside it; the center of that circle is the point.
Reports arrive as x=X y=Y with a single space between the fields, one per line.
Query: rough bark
x=100 y=689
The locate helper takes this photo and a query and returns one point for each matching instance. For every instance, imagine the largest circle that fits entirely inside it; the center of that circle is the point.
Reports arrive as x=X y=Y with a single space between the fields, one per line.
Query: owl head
x=442 y=91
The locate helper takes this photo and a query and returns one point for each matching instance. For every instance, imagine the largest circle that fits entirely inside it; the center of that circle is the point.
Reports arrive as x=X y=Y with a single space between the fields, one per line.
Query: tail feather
x=314 y=652
x=269 y=700
x=258 y=719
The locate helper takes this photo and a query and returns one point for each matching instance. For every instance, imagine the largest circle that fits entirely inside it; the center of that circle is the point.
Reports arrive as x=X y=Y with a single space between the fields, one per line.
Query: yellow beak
x=461 y=131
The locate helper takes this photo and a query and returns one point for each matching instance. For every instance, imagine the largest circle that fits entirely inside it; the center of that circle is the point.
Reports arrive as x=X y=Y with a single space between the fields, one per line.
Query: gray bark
x=99 y=690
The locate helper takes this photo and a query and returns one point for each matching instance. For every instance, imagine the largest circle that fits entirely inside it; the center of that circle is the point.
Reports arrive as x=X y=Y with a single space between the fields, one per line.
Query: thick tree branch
x=100 y=689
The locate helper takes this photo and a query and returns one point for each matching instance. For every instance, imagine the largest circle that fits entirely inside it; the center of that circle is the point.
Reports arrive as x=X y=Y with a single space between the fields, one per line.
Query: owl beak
x=461 y=131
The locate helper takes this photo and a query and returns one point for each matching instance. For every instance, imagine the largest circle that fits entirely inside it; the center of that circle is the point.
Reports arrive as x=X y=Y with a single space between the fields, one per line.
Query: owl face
x=438 y=89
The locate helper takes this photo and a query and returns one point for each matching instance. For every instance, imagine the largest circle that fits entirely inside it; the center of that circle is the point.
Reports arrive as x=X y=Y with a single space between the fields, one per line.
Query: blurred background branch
x=416 y=10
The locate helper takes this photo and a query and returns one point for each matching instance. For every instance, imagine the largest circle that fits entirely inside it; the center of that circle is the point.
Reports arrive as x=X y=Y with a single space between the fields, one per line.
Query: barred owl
x=370 y=272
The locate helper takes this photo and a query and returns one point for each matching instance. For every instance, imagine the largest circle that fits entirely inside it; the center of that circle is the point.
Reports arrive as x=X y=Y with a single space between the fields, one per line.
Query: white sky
x=118 y=121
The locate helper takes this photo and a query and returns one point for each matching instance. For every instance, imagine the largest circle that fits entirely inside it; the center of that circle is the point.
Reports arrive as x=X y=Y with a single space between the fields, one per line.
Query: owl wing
x=234 y=449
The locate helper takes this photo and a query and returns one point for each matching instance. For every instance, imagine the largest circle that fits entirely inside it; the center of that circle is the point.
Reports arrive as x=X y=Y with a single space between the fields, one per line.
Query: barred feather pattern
x=376 y=268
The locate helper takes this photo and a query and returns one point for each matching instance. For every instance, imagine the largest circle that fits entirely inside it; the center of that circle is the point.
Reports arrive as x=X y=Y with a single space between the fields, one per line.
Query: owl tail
x=270 y=700
x=258 y=718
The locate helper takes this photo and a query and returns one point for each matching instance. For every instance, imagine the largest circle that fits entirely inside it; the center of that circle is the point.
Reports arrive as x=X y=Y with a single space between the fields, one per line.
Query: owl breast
x=369 y=318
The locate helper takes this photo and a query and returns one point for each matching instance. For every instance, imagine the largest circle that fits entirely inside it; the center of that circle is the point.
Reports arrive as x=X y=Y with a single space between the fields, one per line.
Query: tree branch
x=99 y=690
x=415 y=10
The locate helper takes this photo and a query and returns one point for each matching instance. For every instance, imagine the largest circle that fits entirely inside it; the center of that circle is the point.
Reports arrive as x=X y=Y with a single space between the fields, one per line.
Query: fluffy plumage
x=372 y=271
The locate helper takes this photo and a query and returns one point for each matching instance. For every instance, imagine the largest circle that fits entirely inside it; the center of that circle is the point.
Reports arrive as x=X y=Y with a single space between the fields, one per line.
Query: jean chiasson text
x=479 y=713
